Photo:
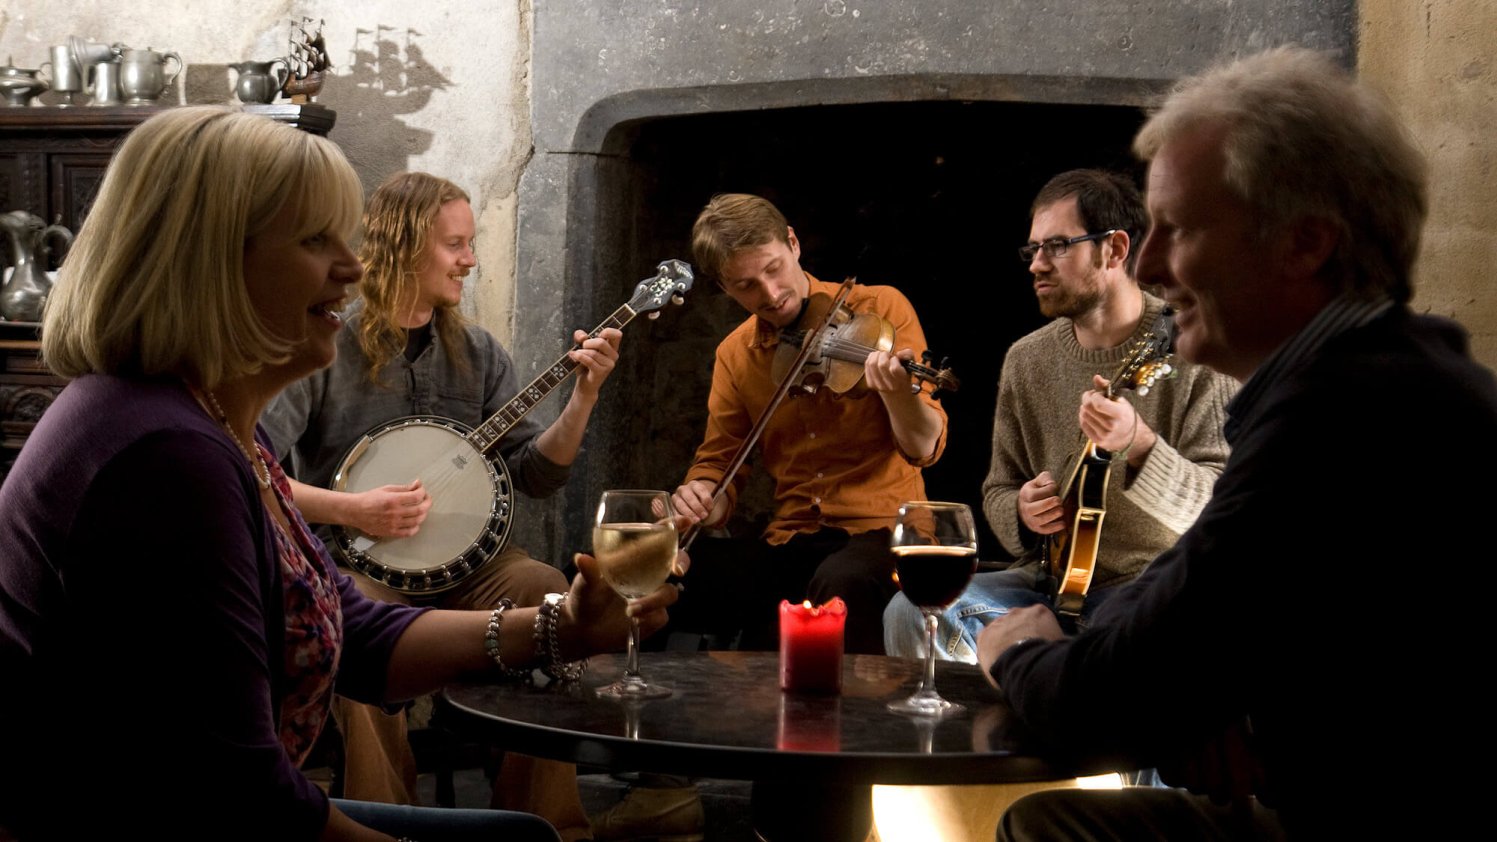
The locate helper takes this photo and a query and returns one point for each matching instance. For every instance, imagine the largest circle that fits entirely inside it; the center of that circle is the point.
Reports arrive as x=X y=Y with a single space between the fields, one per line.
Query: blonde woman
x=162 y=603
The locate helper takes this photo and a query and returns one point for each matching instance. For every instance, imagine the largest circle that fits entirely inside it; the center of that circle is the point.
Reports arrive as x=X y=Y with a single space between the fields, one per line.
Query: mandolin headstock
x=1149 y=360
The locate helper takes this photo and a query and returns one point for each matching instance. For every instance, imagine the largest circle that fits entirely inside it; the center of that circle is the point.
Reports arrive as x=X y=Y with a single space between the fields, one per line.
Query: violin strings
x=855 y=348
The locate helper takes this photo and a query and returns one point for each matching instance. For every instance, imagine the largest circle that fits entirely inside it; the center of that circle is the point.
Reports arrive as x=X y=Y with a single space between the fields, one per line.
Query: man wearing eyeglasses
x=1167 y=445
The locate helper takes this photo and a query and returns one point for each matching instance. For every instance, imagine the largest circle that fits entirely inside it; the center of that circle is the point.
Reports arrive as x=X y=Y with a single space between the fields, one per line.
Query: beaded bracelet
x=547 y=647
x=491 y=643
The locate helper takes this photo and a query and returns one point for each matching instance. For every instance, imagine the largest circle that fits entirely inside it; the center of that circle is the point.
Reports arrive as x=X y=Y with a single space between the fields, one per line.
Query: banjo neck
x=670 y=283
x=488 y=434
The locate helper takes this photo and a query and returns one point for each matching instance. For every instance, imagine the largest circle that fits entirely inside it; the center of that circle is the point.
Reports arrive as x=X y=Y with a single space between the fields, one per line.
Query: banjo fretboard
x=487 y=434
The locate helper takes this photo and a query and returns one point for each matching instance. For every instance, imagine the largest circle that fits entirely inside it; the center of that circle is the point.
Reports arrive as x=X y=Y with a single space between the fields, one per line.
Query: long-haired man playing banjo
x=408 y=351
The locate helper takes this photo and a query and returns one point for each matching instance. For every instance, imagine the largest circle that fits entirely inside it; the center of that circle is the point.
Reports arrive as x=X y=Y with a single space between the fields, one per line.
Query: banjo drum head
x=470 y=508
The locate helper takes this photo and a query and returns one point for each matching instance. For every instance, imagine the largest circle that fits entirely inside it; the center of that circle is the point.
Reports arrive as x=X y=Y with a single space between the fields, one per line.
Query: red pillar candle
x=811 y=646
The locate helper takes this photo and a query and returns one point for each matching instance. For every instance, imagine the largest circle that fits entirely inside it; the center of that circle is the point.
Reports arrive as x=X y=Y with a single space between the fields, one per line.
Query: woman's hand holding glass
x=596 y=619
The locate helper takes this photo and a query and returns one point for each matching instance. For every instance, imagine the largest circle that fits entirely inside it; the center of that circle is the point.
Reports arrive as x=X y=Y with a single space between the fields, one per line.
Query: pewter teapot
x=28 y=241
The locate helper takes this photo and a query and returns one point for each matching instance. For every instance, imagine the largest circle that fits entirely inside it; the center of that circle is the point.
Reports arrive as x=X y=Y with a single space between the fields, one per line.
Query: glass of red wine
x=935 y=550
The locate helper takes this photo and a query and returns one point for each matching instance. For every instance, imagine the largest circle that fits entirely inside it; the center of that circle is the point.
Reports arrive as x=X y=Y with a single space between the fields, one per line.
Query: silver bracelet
x=547 y=647
x=491 y=643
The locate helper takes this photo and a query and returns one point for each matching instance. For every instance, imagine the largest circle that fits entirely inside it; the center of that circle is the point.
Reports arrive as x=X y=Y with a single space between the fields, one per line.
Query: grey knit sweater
x=1036 y=430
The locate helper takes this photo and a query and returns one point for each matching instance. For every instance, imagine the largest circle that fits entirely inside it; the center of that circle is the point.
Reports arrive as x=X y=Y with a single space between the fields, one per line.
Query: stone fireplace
x=904 y=143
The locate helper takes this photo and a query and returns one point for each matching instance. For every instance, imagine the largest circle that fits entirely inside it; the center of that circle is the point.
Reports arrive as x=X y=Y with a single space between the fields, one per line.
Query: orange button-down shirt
x=833 y=457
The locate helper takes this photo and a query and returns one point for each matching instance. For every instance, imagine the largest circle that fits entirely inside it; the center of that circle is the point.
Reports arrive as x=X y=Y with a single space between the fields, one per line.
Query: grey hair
x=1303 y=139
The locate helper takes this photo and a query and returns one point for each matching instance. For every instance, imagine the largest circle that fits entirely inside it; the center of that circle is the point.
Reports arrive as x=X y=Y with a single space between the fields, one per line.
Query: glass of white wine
x=935 y=550
x=634 y=541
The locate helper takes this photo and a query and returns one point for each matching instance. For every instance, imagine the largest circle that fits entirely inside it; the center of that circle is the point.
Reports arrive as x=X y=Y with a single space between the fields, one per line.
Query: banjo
x=471 y=494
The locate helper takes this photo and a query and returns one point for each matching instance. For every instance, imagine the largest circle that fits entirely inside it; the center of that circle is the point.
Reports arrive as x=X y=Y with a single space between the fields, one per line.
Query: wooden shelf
x=54 y=120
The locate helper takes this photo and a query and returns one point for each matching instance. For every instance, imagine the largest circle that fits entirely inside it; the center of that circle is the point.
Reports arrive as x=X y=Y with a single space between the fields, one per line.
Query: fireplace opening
x=929 y=197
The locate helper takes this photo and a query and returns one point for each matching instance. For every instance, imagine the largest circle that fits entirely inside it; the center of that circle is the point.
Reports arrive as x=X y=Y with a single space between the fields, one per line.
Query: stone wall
x=1437 y=61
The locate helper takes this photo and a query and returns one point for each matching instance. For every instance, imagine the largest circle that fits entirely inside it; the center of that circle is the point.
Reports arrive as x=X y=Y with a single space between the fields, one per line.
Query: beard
x=1070 y=304
x=1077 y=297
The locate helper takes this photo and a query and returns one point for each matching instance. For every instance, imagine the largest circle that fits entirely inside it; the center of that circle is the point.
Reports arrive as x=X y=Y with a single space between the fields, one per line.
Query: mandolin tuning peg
x=926 y=356
x=1143 y=390
x=653 y=315
x=915 y=387
x=678 y=299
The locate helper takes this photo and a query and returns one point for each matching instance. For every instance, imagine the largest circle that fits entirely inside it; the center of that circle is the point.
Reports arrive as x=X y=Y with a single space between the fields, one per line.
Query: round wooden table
x=728 y=718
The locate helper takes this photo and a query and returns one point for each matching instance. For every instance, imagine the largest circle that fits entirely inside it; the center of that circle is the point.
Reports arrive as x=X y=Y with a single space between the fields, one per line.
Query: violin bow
x=810 y=345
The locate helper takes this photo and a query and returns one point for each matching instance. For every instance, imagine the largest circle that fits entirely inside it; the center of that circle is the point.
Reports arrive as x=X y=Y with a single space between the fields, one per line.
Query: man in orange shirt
x=841 y=463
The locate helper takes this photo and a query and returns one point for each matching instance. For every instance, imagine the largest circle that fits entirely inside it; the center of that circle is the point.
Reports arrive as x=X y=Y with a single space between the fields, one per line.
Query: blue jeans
x=988 y=597
x=440 y=824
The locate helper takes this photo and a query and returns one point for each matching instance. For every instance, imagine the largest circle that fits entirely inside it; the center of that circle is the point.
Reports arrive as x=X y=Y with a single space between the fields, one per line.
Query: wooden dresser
x=52 y=160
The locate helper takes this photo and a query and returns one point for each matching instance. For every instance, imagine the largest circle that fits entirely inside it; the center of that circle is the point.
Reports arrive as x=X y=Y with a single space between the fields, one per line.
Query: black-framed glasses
x=1057 y=246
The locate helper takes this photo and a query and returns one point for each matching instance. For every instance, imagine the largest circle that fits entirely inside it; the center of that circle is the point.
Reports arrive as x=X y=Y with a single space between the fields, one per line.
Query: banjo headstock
x=672 y=279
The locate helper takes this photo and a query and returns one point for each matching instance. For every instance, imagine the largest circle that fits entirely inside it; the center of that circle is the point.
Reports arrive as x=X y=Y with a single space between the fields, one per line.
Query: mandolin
x=1071 y=554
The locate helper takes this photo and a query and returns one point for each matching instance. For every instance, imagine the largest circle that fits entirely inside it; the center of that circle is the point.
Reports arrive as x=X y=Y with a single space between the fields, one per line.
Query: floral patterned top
x=314 y=624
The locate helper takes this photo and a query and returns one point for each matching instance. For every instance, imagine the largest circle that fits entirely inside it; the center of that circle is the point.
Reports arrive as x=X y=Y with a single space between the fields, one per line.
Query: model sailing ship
x=308 y=60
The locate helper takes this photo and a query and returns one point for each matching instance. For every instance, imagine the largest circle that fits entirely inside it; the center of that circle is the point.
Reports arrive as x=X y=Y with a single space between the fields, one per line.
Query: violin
x=831 y=353
x=839 y=348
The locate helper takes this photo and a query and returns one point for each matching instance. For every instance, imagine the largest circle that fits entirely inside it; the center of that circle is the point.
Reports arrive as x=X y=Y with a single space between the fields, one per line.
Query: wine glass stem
x=631 y=671
x=928 y=687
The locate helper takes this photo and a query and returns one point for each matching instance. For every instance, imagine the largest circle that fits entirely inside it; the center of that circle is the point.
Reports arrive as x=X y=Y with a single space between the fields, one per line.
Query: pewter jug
x=142 y=78
x=28 y=243
x=257 y=82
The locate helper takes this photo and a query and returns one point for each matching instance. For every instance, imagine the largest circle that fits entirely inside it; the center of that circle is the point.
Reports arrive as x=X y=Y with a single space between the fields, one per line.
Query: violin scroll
x=941 y=377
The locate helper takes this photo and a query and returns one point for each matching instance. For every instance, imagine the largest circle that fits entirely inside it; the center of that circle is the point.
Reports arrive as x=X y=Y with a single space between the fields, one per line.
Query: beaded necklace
x=257 y=462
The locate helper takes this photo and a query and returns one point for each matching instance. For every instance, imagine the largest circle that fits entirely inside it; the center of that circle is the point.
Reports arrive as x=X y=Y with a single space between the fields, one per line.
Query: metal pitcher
x=142 y=78
x=28 y=244
x=258 y=82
